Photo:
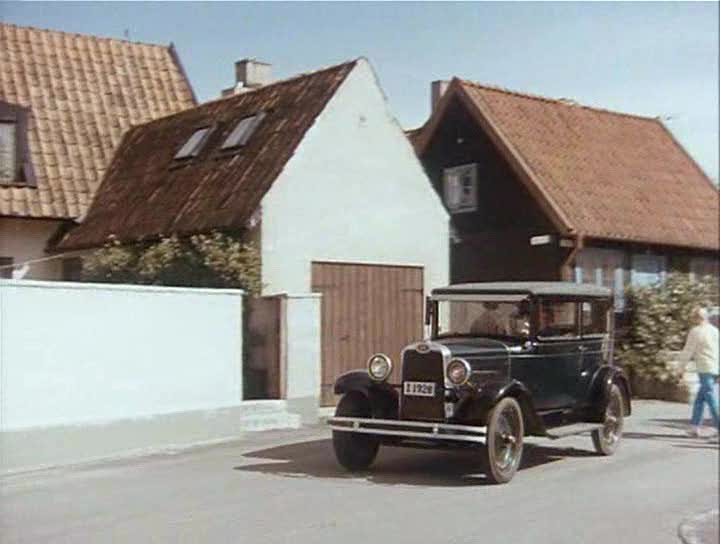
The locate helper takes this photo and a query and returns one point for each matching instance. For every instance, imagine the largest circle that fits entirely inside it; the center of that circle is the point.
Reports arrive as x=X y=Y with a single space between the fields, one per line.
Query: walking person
x=701 y=348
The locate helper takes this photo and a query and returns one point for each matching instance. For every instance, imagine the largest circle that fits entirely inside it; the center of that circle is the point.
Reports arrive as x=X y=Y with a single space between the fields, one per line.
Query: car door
x=552 y=369
x=596 y=325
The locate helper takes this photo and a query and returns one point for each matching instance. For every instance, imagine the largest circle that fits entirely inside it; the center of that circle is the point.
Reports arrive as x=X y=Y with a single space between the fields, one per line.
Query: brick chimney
x=437 y=89
x=250 y=74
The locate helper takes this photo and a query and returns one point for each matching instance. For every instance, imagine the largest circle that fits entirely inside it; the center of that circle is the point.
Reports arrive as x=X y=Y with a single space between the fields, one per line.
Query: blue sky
x=656 y=59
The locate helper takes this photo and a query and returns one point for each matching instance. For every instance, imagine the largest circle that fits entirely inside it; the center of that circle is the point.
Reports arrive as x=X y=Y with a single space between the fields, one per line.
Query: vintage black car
x=503 y=361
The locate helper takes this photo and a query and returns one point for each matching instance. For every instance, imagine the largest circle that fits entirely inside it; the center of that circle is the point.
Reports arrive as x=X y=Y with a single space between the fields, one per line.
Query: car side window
x=595 y=318
x=558 y=319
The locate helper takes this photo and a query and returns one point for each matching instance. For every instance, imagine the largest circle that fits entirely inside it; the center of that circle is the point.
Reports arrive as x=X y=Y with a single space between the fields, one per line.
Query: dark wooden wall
x=492 y=243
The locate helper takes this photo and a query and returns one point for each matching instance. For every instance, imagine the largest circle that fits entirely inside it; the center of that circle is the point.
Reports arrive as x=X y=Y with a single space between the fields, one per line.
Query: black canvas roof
x=543 y=288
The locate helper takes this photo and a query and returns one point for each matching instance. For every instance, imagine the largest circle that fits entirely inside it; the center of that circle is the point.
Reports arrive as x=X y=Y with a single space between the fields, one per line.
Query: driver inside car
x=491 y=322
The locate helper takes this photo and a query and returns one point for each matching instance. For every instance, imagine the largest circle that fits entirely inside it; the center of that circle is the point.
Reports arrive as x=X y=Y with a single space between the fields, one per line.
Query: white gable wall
x=353 y=192
x=25 y=240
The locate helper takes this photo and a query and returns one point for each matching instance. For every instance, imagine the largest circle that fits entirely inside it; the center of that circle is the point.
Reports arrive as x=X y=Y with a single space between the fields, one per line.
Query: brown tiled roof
x=146 y=192
x=84 y=93
x=601 y=174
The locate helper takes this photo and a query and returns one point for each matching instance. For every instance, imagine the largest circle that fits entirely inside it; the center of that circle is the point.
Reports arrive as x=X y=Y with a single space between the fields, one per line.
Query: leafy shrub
x=660 y=320
x=203 y=260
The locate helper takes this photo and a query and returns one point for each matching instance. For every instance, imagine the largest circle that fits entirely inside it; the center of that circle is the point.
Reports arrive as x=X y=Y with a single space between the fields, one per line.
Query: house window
x=647 y=270
x=460 y=183
x=701 y=267
x=15 y=164
x=8 y=152
x=602 y=267
x=194 y=144
x=6 y=267
x=243 y=131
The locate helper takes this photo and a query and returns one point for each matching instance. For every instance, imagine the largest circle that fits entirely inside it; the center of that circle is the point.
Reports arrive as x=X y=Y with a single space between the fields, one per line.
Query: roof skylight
x=194 y=144
x=243 y=131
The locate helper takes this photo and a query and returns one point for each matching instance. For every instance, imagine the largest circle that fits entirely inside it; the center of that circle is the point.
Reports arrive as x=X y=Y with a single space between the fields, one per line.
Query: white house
x=318 y=171
x=65 y=102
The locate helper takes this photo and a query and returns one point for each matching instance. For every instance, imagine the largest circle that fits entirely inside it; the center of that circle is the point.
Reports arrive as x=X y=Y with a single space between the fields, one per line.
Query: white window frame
x=8 y=153
x=460 y=188
x=242 y=132
x=194 y=144
x=592 y=260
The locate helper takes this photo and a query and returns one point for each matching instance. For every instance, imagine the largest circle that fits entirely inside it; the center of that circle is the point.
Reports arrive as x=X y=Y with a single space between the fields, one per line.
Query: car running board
x=570 y=430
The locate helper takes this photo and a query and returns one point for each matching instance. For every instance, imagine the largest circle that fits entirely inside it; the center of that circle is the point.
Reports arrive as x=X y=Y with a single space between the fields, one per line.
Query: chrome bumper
x=409 y=429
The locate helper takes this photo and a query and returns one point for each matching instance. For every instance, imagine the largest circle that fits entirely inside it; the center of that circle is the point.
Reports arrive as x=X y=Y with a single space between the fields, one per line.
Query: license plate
x=419 y=389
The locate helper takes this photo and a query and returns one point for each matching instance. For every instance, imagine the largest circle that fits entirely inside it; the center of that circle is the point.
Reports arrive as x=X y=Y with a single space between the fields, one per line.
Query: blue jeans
x=705 y=394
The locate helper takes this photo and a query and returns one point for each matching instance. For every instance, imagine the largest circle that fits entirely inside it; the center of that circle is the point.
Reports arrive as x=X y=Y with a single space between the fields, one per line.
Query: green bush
x=660 y=320
x=204 y=260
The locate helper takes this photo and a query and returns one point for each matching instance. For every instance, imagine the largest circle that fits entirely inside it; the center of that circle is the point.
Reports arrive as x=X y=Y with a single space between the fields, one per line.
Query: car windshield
x=483 y=318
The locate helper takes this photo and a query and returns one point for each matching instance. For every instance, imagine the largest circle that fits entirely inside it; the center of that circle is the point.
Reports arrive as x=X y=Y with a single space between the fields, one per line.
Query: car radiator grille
x=423 y=367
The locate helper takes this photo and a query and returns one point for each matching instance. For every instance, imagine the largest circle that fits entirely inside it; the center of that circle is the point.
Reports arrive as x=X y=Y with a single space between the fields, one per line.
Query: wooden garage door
x=365 y=309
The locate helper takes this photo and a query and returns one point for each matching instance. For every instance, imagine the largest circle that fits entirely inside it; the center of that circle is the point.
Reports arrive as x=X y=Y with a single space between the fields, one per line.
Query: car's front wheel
x=607 y=439
x=354 y=451
x=504 y=446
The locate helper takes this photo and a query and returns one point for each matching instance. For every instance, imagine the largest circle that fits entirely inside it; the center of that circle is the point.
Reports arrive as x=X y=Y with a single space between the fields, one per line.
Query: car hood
x=476 y=347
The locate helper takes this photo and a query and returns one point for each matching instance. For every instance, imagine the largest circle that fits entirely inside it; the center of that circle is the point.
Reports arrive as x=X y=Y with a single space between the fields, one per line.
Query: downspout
x=579 y=244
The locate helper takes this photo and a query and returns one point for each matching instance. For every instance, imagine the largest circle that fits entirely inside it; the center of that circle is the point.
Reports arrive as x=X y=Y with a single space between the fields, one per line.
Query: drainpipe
x=579 y=243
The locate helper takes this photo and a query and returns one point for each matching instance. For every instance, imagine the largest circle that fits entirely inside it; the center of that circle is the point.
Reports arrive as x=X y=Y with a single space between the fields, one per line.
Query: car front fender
x=383 y=397
x=476 y=406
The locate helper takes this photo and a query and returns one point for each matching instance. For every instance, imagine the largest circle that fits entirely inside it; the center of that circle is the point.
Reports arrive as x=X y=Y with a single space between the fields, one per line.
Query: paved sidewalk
x=701 y=528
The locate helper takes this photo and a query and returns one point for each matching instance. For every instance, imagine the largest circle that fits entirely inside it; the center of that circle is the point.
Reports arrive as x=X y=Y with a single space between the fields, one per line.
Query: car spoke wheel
x=354 y=451
x=607 y=439
x=504 y=446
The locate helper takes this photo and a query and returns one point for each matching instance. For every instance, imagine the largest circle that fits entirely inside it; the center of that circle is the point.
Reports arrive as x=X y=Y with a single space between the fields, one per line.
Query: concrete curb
x=700 y=528
x=42 y=447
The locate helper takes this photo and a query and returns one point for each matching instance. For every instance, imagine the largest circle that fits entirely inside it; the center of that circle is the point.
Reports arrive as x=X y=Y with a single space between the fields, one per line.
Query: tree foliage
x=660 y=320
x=203 y=260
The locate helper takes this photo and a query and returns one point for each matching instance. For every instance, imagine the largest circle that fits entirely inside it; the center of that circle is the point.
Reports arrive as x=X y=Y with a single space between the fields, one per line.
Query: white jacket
x=701 y=347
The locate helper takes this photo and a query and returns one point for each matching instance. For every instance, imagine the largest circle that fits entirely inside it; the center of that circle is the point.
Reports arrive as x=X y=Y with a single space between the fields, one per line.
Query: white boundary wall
x=74 y=353
x=96 y=371
x=302 y=354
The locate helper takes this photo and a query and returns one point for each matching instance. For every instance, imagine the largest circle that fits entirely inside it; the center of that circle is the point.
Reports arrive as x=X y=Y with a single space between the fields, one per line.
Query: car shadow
x=394 y=466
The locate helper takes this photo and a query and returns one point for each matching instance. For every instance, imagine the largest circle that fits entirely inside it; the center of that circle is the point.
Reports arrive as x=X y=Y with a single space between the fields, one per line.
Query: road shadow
x=679 y=423
x=657 y=436
x=678 y=439
x=709 y=445
x=672 y=423
x=394 y=466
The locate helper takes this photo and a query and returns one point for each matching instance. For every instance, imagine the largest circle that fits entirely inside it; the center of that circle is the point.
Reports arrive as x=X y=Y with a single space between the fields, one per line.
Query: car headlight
x=379 y=367
x=458 y=371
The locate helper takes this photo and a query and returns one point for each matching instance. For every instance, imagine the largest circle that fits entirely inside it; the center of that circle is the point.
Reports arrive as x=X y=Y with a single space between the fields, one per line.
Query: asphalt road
x=285 y=487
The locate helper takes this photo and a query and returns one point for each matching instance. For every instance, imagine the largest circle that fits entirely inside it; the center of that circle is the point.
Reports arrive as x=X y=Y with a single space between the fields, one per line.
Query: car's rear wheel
x=354 y=451
x=607 y=439
x=504 y=447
